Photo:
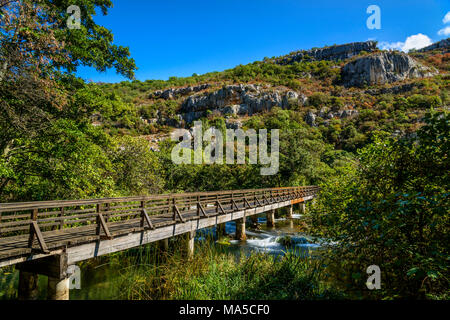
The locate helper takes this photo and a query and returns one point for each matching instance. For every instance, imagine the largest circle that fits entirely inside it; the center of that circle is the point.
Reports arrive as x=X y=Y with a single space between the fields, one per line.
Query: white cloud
x=416 y=41
x=391 y=45
x=444 y=32
x=446 y=18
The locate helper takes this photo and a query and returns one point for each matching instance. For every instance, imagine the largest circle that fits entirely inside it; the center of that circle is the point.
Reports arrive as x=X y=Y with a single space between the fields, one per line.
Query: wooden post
x=28 y=285
x=240 y=229
x=189 y=245
x=291 y=211
x=58 y=289
x=32 y=234
x=61 y=216
x=270 y=215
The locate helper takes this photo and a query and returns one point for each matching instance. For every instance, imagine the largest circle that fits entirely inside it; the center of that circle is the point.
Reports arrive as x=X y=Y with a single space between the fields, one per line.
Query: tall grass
x=216 y=274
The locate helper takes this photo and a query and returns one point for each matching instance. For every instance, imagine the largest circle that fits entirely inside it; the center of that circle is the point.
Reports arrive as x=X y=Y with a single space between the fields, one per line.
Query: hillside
x=345 y=91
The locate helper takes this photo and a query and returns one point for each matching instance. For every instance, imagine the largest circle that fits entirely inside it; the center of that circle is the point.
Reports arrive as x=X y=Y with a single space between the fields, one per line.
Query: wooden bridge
x=45 y=237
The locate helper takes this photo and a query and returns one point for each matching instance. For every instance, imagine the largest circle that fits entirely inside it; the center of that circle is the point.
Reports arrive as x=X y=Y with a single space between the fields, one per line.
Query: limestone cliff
x=239 y=100
x=336 y=52
x=383 y=67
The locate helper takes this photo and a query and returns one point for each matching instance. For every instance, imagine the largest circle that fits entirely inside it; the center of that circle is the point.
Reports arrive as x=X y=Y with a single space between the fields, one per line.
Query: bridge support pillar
x=189 y=244
x=58 y=289
x=254 y=219
x=163 y=245
x=240 y=229
x=302 y=206
x=270 y=215
x=54 y=267
x=28 y=285
x=220 y=230
x=290 y=211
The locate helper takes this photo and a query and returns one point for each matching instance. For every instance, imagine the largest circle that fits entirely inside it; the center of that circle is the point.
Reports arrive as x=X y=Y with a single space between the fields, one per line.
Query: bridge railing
x=35 y=218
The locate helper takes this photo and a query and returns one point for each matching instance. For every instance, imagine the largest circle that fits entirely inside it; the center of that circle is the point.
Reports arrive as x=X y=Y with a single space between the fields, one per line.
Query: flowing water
x=98 y=276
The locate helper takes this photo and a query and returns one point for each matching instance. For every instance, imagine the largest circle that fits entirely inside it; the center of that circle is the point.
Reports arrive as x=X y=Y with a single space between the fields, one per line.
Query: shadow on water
x=99 y=276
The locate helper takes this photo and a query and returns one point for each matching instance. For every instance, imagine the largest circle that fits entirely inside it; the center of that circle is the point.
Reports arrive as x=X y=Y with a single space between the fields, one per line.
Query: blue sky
x=179 y=38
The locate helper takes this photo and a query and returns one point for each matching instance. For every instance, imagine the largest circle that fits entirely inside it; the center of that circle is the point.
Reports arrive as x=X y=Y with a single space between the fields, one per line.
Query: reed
x=217 y=274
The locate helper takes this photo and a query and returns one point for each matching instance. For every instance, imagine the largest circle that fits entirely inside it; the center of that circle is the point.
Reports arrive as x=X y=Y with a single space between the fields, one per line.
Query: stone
x=310 y=118
x=381 y=68
x=173 y=93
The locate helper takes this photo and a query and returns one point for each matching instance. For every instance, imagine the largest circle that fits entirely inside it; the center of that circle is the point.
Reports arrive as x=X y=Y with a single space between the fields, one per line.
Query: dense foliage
x=391 y=209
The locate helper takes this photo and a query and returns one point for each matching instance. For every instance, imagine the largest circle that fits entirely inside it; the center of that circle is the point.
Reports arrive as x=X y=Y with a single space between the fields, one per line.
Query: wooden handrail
x=34 y=218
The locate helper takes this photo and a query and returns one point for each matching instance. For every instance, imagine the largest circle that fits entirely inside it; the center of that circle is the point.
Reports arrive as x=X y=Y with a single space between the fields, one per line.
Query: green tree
x=391 y=209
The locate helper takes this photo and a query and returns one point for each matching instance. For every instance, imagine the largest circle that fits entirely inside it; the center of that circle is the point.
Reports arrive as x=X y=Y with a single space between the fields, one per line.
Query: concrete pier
x=58 y=289
x=290 y=211
x=163 y=245
x=240 y=229
x=270 y=215
x=220 y=230
x=302 y=207
x=54 y=267
x=254 y=220
x=28 y=285
x=189 y=244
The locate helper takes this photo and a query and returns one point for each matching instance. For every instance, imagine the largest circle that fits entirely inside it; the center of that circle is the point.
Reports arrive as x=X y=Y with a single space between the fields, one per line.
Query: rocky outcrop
x=336 y=52
x=310 y=118
x=383 y=67
x=326 y=114
x=173 y=93
x=238 y=100
x=395 y=89
x=443 y=44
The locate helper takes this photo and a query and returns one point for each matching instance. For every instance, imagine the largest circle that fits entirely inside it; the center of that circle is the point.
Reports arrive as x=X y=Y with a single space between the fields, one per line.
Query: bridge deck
x=88 y=240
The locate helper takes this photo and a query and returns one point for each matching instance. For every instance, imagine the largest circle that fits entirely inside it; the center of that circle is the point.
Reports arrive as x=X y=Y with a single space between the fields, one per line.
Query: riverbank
x=274 y=263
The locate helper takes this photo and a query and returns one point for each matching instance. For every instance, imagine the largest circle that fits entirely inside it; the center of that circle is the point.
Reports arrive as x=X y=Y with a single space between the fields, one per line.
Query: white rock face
x=336 y=52
x=238 y=100
x=383 y=67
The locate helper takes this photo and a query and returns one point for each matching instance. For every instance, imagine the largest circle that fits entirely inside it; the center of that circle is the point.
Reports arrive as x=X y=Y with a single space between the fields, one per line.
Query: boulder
x=310 y=118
